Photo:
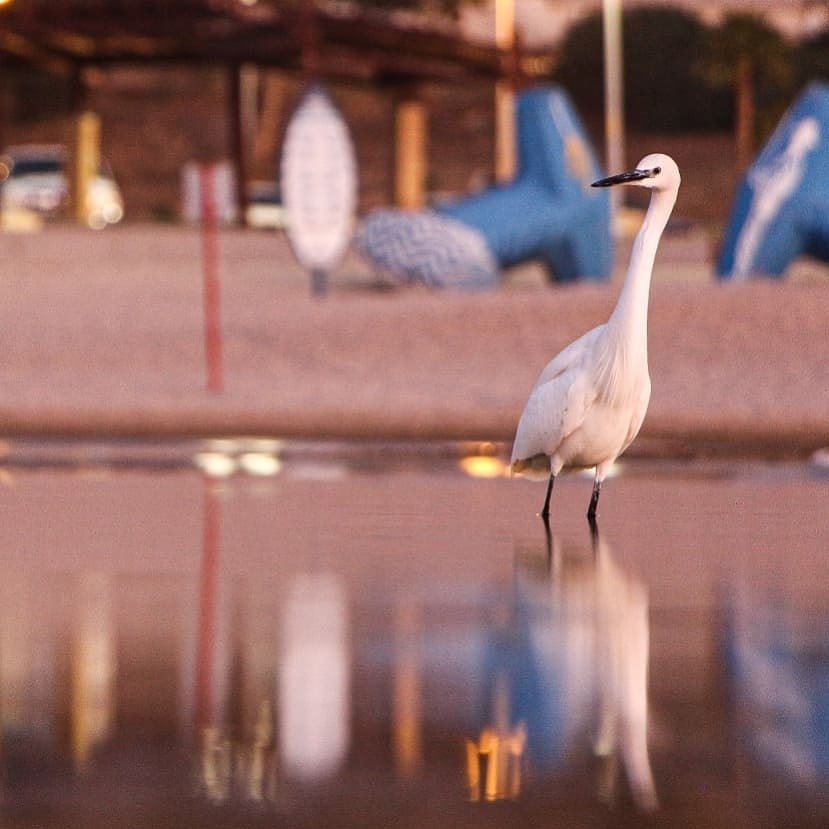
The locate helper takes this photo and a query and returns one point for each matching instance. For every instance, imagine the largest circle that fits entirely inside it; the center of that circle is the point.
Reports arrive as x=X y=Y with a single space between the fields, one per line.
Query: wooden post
x=87 y=161
x=745 y=113
x=269 y=124
x=505 y=137
x=236 y=141
x=410 y=152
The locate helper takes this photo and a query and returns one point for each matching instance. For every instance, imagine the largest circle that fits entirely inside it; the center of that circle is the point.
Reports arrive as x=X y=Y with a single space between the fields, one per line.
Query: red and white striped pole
x=210 y=268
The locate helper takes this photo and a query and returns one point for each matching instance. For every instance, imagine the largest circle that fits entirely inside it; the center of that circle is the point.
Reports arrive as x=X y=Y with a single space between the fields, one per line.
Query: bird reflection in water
x=568 y=655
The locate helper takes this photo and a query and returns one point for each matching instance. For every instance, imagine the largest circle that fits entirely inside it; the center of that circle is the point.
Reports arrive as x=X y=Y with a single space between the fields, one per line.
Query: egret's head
x=655 y=171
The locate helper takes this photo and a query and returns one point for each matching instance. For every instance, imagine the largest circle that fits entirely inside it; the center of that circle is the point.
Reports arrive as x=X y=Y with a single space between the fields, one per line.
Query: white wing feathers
x=571 y=356
x=558 y=403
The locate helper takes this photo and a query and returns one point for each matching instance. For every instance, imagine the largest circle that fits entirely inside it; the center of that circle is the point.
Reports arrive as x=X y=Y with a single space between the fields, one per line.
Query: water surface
x=255 y=633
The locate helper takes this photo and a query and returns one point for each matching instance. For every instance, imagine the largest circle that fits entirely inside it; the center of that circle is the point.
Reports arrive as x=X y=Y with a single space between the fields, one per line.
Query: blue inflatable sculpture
x=782 y=206
x=548 y=212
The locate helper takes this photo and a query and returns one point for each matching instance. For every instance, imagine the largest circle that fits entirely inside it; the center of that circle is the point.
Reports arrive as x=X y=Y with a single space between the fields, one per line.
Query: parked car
x=265 y=210
x=33 y=177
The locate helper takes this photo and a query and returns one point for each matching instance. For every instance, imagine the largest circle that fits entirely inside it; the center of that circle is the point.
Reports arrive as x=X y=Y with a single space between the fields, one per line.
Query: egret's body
x=590 y=400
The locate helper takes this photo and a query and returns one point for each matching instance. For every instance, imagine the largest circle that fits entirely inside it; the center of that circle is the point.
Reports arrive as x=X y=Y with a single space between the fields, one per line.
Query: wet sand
x=103 y=334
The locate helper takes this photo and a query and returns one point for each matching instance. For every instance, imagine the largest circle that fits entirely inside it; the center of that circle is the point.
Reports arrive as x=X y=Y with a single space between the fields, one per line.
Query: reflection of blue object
x=778 y=667
x=781 y=209
x=549 y=211
x=511 y=656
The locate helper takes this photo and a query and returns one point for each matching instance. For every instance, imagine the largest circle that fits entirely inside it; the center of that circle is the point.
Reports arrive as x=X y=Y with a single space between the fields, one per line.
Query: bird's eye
x=656 y=171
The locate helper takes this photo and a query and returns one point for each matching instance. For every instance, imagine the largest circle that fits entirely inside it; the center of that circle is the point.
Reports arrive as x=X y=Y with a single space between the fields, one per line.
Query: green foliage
x=744 y=36
x=681 y=75
x=663 y=89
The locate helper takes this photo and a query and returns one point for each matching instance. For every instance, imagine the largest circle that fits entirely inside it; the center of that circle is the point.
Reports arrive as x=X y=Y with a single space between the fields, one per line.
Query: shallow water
x=254 y=633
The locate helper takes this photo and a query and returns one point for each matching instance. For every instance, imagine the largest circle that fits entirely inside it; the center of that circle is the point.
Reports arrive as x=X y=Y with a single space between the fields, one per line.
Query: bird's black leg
x=594 y=534
x=548 y=542
x=594 y=502
x=545 y=510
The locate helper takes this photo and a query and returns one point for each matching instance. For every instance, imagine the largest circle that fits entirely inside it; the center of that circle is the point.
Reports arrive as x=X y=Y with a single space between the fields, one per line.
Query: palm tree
x=747 y=55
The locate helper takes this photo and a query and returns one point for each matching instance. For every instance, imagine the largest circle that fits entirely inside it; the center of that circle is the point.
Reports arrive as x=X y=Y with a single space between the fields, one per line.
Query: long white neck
x=630 y=317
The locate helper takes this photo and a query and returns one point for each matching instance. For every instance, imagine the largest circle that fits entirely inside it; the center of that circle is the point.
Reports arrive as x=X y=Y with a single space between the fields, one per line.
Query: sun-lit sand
x=103 y=332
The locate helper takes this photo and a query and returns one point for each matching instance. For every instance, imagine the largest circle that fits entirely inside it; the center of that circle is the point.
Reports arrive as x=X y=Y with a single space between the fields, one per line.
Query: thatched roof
x=339 y=40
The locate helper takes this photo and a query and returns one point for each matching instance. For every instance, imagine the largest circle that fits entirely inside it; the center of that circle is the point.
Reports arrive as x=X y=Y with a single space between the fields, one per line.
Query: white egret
x=590 y=400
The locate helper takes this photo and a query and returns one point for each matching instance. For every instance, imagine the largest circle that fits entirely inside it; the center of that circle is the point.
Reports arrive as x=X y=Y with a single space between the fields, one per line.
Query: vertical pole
x=745 y=113
x=269 y=123
x=319 y=281
x=237 y=141
x=308 y=34
x=614 y=94
x=505 y=137
x=208 y=605
x=210 y=268
x=87 y=160
x=249 y=84
x=5 y=101
x=410 y=152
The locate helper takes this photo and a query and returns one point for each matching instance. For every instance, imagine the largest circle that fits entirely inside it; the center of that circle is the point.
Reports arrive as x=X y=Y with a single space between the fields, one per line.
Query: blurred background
x=172 y=83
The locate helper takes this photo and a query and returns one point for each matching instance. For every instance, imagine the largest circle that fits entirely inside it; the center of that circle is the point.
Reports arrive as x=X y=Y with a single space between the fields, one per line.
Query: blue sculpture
x=548 y=212
x=781 y=209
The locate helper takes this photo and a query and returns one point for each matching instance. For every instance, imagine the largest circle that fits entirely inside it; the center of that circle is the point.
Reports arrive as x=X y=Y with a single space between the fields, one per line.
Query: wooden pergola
x=336 y=41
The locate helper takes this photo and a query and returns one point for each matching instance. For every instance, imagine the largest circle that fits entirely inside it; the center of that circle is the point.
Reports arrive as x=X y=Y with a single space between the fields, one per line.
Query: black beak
x=625 y=178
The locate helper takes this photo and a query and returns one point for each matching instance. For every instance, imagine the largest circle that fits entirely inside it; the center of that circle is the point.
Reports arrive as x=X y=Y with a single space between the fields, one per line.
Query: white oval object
x=314 y=684
x=319 y=181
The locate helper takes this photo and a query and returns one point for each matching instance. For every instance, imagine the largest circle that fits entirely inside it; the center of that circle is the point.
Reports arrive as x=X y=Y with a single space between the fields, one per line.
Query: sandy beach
x=103 y=333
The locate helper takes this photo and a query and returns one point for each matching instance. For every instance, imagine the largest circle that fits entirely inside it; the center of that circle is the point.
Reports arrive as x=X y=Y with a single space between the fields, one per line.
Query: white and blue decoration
x=782 y=203
x=423 y=246
x=318 y=176
x=547 y=213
